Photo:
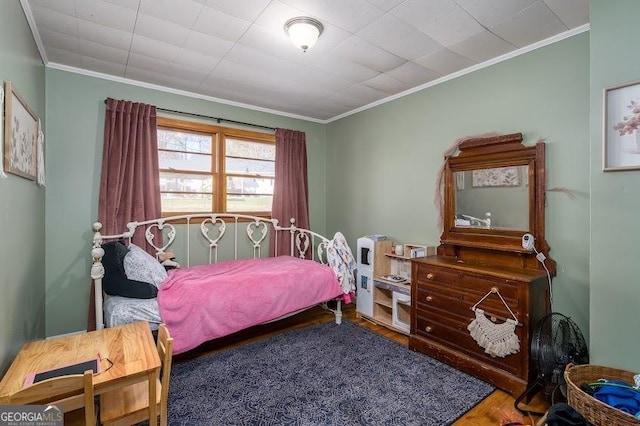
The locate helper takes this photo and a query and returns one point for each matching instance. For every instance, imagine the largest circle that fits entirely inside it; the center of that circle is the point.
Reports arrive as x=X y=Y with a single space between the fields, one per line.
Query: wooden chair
x=62 y=392
x=130 y=405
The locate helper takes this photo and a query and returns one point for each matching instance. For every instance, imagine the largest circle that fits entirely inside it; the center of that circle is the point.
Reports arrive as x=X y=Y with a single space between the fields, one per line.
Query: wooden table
x=129 y=347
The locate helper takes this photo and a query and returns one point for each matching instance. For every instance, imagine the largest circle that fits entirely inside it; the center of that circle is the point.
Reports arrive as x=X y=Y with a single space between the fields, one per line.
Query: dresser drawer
x=459 y=300
x=469 y=282
x=451 y=330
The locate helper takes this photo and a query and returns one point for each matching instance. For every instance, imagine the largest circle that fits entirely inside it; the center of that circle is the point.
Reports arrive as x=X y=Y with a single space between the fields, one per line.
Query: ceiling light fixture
x=303 y=31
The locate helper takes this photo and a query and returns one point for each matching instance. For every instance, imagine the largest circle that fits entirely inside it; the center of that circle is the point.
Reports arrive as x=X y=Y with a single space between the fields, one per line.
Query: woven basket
x=596 y=412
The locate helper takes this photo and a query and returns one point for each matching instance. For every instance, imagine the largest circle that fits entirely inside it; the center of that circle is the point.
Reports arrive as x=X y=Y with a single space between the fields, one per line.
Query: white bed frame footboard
x=249 y=232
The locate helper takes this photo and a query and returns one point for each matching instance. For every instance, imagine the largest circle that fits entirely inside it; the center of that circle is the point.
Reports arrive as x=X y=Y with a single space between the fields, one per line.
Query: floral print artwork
x=622 y=127
x=23 y=137
x=499 y=176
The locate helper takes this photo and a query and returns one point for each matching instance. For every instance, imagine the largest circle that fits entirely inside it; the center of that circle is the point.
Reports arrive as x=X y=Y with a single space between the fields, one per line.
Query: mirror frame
x=492 y=152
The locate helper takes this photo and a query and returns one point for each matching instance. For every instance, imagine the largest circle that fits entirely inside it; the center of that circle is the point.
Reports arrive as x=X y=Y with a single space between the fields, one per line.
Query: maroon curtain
x=130 y=184
x=291 y=189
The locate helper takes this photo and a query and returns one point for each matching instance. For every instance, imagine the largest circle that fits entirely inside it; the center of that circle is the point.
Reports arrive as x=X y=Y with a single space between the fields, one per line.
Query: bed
x=212 y=274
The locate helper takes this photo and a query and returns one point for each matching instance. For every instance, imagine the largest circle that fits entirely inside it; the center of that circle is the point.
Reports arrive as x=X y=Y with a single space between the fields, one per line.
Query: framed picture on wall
x=621 y=127
x=20 y=135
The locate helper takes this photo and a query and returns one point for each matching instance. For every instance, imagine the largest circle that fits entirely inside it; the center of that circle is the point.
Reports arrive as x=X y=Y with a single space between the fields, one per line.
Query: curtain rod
x=218 y=119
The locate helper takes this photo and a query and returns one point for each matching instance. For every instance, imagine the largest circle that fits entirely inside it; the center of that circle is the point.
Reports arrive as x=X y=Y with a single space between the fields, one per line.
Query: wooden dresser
x=443 y=292
x=494 y=196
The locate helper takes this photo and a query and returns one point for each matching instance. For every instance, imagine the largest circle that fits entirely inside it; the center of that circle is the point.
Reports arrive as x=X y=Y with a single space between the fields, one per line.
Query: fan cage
x=556 y=342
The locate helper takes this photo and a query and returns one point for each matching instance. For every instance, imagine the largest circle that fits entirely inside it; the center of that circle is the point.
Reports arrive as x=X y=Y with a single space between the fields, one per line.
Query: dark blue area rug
x=326 y=374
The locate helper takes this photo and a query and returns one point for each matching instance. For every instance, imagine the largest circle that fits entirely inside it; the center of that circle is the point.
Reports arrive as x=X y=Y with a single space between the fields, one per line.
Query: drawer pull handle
x=429 y=298
x=428 y=329
x=430 y=276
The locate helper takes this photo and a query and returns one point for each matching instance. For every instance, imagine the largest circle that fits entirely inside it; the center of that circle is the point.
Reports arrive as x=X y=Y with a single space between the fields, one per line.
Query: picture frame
x=20 y=135
x=621 y=127
x=497 y=176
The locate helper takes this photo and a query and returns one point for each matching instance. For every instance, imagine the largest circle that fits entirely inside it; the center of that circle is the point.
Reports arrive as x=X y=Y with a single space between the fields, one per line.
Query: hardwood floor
x=496 y=409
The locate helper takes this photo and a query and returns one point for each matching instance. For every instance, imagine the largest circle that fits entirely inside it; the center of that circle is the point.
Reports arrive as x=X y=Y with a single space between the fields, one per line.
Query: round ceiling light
x=303 y=31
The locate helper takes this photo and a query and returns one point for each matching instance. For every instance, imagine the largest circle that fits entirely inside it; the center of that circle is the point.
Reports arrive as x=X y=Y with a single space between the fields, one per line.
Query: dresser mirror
x=496 y=198
x=494 y=192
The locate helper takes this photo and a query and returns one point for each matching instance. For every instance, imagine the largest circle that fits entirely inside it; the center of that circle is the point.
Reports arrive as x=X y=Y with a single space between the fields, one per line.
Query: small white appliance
x=364 y=285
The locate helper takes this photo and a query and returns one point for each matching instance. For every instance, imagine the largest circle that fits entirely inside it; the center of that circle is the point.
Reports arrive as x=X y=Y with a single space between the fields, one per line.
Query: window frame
x=219 y=174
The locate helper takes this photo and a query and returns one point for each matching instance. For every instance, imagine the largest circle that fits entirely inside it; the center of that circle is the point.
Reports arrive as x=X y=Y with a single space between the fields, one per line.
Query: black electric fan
x=555 y=342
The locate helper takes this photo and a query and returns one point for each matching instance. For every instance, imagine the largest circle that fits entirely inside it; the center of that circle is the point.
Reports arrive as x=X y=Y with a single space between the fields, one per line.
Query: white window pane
x=247 y=149
x=184 y=161
x=184 y=141
x=177 y=182
x=241 y=186
x=249 y=203
x=186 y=202
x=243 y=165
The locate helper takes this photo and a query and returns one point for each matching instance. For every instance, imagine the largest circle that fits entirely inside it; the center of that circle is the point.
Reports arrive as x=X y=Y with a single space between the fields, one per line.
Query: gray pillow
x=141 y=266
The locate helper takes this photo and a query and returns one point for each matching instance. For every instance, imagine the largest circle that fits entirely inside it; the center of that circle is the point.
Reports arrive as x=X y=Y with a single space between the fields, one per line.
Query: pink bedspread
x=201 y=303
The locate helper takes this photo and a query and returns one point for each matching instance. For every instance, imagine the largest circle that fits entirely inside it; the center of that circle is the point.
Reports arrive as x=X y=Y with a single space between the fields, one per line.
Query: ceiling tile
x=442 y=20
x=60 y=41
x=351 y=15
x=197 y=60
x=107 y=14
x=64 y=6
x=248 y=10
x=482 y=47
x=535 y=23
x=274 y=66
x=129 y=4
x=55 y=21
x=180 y=12
x=386 y=84
x=221 y=25
x=161 y=30
x=398 y=37
x=161 y=79
x=337 y=66
x=367 y=54
x=490 y=13
x=105 y=53
x=274 y=16
x=573 y=13
x=154 y=48
x=207 y=44
x=444 y=61
x=385 y=5
x=141 y=62
x=104 y=35
x=413 y=74
x=334 y=83
x=64 y=57
x=105 y=67
x=364 y=93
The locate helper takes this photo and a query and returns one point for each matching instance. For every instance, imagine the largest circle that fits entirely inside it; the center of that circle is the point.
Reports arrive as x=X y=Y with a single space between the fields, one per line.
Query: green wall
x=75 y=108
x=615 y=196
x=381 y=168
x=383 y=163
x=21 y=201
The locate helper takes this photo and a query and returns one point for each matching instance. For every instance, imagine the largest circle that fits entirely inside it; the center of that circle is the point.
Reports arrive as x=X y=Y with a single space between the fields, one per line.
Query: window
x=205 y=168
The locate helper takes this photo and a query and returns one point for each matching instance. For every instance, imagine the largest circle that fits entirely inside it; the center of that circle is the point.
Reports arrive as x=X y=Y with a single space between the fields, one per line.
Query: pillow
x=141 y=266
x=115 y=281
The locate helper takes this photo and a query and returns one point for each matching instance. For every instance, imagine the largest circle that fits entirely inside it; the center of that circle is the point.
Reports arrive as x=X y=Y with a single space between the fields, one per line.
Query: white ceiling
x=237 y=51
